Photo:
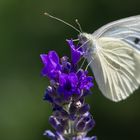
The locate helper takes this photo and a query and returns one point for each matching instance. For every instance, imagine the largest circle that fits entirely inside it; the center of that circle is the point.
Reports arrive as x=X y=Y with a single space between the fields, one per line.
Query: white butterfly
x=113 y=52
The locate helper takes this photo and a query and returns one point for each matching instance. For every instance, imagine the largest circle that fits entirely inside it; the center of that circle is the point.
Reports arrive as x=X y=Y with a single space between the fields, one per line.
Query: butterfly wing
x=116 y=65
x=120 y=28
x=116 y=68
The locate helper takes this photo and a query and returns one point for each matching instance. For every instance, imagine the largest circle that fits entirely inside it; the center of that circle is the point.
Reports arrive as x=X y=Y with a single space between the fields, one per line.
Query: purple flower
x=85 y=82
x=66 y=92
x=48 y=93
x=85 y=138
x=52 y=65
x=76 y=53
x=68 y=84
x=53 y=136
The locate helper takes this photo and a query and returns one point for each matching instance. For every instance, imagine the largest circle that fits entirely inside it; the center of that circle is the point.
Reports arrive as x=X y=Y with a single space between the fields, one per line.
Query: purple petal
x=44 y=58
x=85 y=82
x=73 y=79
x=59 y=136
x=51 y=64
x=75 y=52
x=62 y=79
x=44 y=71
x=68 y=84
x=53 y=57
x=90 y=138
x=49 y=134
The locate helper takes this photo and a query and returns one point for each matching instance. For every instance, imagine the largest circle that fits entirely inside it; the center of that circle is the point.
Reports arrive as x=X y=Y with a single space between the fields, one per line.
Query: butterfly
x=113 y=52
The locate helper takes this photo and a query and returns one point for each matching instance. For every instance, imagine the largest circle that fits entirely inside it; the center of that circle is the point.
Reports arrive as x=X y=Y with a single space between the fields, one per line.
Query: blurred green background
x=25 y=33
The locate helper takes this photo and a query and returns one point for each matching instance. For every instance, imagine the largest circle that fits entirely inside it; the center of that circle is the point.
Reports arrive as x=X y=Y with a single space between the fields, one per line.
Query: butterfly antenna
x=66 y=23
x=80 y=28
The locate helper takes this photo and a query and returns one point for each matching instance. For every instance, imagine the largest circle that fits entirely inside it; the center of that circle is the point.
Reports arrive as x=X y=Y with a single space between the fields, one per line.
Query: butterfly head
x=87 y=41
x=84 y=37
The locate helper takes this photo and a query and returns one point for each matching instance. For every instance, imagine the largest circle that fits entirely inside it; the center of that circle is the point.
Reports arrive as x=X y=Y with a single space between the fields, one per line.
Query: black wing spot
x=137 y=40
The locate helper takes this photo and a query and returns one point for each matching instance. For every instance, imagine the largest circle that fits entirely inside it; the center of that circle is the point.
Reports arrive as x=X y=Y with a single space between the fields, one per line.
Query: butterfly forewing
x=120 y=28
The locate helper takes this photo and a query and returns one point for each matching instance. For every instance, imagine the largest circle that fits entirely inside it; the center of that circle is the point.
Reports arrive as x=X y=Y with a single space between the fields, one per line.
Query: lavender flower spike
x=68 y=88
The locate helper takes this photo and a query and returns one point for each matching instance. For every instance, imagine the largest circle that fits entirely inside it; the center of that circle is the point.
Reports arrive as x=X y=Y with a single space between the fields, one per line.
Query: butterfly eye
x=82 y=38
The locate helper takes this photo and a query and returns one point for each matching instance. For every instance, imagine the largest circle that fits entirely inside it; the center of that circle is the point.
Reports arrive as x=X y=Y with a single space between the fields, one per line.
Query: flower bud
x=60 y=128
x=93 y=138
x=61 y=114
x=80 y=126
x=48 y=93
x=59 y=136
x=89 y=125
x=64 y=59
x=54 y=122
x=84 y=109
x=53 y=83
x=50 y=134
